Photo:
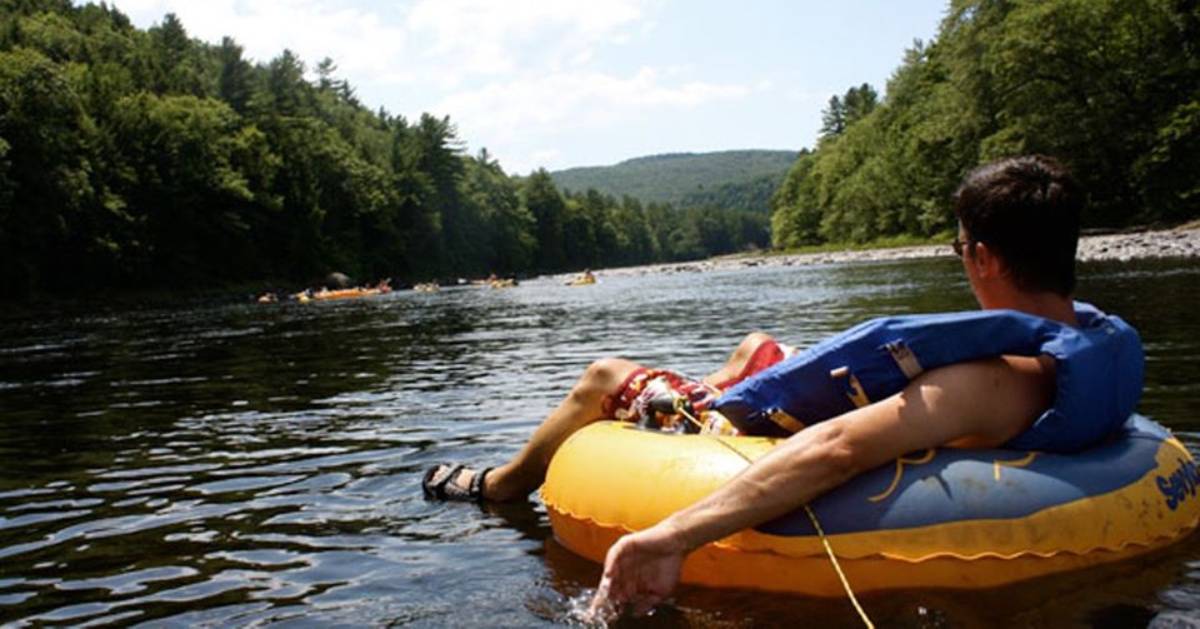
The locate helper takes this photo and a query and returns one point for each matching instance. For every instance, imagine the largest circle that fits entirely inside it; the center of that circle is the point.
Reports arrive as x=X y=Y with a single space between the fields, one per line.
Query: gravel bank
x=1176 y=243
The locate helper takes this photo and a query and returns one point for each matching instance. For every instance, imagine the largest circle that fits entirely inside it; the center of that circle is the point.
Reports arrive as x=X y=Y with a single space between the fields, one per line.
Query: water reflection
x=235 y=463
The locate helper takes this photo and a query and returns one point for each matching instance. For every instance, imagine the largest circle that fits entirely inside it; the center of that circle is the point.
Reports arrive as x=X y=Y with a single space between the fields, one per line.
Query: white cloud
x=509 y=74
x=359 y=41
x=443 y=42
x=536 y=158
x=509 y=108
x=488 y=37
x=536 y=110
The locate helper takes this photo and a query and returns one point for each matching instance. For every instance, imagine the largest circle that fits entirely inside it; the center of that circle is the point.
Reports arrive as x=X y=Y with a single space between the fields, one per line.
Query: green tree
x=1166 y=173
x=847 y=109
x=833 y=118
x=508 y=225
x=795 y=213
x=234 y=84
x=184 y=177
x=858 y=102
x=179 y=66
x=543 y=200
x=47 y=138
x=439 y=156
x=286 y=93
x=416 y=219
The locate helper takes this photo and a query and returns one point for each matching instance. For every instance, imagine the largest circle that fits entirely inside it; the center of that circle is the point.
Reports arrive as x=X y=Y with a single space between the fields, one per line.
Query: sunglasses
x=958 y=245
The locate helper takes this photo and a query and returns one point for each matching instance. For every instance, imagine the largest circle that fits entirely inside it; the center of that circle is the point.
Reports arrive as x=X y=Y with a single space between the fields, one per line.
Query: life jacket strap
x=854 y=389
x=905 y=359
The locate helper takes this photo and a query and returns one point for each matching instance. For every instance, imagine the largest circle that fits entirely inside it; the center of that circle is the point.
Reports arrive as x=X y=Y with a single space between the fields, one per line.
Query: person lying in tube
x=1018 y=229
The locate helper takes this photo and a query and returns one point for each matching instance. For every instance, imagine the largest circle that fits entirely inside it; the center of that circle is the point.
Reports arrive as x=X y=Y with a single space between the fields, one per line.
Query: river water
x=183 y=463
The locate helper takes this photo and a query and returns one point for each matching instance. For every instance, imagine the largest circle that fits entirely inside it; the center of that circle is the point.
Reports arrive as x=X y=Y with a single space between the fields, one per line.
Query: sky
x=564 y=83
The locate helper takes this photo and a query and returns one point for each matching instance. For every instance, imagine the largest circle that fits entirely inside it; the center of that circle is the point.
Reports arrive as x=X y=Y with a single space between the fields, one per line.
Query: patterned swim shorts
x=634 y=399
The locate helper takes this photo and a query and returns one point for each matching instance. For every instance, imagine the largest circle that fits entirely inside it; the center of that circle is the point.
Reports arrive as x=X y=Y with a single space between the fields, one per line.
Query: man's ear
x=987 y=264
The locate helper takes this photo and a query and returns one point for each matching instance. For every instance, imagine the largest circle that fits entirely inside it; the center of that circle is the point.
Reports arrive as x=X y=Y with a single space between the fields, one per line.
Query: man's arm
x=979 y=404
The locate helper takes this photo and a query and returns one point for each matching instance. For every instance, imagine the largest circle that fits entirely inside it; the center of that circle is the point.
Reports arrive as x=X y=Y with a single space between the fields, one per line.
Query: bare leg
x=737 y=360
x=582 y=406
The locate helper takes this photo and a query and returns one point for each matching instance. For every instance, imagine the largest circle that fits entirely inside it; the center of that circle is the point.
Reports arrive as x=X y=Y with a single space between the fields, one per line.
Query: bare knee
x=752 y=342
x=603 y=377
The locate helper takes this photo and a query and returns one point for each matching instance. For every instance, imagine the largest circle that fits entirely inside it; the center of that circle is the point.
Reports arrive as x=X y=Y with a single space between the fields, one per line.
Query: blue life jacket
x=1099 y=368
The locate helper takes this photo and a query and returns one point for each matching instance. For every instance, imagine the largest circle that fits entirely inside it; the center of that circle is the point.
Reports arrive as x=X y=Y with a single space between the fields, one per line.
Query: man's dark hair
x=1026 y=209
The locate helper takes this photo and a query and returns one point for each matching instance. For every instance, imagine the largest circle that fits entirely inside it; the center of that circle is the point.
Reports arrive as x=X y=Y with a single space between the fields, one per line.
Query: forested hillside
x=730 y=179
x=748 y=196
x=1112 y=87
x=145 y=158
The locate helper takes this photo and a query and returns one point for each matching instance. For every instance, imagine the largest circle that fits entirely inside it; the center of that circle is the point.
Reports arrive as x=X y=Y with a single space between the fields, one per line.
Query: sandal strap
x=476 y=490
x=437 y=489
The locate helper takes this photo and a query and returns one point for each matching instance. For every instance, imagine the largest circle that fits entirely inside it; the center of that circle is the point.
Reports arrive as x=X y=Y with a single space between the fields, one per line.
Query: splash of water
x=580 y=613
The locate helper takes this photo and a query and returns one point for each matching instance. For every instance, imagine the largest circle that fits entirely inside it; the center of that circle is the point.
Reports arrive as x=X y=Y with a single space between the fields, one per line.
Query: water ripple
x=237 y=464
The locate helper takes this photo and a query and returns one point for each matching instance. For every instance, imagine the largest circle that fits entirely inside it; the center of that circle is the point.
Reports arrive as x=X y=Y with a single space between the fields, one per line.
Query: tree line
x=1111 y=87
x=134 y=158
x=688 y=179
x=751 y=196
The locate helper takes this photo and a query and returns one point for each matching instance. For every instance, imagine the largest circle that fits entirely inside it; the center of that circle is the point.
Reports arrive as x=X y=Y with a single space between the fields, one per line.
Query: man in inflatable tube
x=1053 y=375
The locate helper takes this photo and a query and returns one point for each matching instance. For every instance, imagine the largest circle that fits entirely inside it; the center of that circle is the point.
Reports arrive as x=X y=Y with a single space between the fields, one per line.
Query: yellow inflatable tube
x=941 y=519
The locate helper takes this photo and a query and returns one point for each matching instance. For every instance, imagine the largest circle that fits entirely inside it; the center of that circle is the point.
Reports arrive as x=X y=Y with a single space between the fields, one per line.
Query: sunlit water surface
x=181 y=464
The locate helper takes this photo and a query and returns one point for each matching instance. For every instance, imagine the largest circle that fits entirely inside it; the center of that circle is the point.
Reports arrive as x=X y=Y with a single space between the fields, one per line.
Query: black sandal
x=441 y=486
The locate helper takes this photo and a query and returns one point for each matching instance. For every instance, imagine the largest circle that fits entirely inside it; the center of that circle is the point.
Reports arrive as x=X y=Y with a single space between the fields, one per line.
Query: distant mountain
x=727 y=179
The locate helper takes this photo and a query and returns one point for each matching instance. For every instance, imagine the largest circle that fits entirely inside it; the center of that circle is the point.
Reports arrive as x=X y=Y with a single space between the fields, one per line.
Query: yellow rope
x=862 y=613
x=837 y=567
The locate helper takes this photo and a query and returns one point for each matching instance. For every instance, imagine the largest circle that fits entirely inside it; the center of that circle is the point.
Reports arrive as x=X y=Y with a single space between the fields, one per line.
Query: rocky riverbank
x=1172 y=243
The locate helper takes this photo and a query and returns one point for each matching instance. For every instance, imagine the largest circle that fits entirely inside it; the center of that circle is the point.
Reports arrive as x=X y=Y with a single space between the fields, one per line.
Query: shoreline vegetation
x=1182 y=242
